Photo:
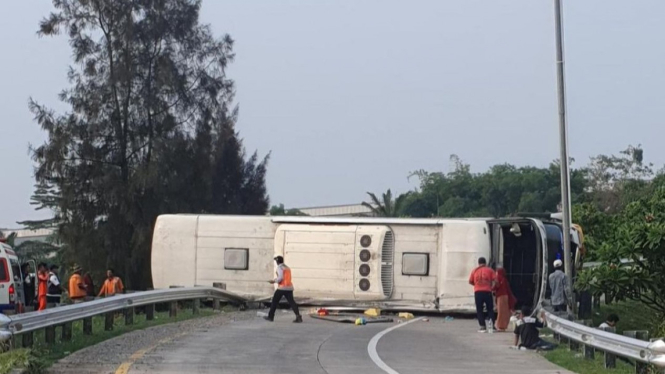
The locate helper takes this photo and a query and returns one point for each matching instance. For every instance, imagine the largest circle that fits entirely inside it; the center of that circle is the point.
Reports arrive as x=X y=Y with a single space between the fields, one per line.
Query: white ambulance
x=11 y=280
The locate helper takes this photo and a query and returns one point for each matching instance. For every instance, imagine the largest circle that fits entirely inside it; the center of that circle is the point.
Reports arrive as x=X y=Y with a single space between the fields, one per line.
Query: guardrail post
x=173 y=309
x=173 y=305
x=150 y=312
x=610 y=359
x=589 y=351
x=215 y=301
x=27 y=339
x=87 y=326
x=67 y=332
x=640 y=367
x=196 y=306
x=129 y=316
x=573 y=344
x=49 y=334
x=108 y=321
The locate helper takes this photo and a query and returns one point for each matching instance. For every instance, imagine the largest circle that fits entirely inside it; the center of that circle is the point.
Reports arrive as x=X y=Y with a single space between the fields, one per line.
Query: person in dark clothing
x=54 y=288
x=527 y=335
x=89 y=286
x=29 y=284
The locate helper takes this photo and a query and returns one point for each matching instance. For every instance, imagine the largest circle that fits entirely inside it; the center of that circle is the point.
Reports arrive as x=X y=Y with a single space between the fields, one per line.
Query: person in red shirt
x=42 y=285
x=483 y=280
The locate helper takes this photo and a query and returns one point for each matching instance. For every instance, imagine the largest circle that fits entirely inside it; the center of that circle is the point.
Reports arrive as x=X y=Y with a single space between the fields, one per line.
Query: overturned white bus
x=406 y=264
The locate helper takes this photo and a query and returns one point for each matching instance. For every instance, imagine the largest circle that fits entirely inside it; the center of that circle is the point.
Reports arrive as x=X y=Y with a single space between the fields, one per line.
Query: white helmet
x=558 y=263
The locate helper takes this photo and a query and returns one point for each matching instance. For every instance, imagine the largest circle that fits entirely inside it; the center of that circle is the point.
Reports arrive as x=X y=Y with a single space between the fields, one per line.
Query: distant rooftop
x=348 y=210
x=24 y=235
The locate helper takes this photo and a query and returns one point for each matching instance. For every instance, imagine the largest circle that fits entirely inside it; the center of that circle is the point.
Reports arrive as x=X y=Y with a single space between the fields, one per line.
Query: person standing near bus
x=54 y=288
x=42 y=286
x=483 y=280
x=28 y=284
x=285 y=289
x=559 y=286
x=112 y=285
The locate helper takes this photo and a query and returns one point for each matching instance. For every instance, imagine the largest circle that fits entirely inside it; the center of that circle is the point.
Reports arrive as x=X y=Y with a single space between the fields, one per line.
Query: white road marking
x=371 y=347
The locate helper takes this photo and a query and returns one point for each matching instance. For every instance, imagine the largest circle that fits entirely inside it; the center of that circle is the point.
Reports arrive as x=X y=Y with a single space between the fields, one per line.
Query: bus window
x=4 y=273
x=16 y=271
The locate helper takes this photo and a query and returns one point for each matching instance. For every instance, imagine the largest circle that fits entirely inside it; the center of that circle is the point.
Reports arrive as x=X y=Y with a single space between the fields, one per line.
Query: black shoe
x=298 y=319
x=269 y=319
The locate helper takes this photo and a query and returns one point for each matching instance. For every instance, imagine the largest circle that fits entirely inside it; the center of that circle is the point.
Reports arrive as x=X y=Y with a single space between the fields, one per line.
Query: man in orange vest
x=112 y=285
x=284 y=288
x=77 y=289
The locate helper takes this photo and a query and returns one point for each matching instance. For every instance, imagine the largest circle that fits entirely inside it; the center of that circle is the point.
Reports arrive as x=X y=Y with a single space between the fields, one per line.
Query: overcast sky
x=352 y=95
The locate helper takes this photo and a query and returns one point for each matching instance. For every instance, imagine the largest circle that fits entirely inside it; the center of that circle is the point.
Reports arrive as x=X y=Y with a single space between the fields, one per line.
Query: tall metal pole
x=563 y=138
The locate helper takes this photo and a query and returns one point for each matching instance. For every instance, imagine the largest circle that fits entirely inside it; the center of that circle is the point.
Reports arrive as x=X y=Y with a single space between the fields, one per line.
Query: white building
x=24 y=235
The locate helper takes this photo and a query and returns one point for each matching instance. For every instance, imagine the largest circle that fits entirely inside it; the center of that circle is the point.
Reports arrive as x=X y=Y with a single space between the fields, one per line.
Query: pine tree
x=150 y=130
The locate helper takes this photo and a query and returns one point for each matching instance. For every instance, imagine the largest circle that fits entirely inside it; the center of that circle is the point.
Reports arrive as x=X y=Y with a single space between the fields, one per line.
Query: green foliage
x=29 y=361
x=637 y=234
x=501 y=191
x=279 y=210
x=150 y=130
x=386 y=206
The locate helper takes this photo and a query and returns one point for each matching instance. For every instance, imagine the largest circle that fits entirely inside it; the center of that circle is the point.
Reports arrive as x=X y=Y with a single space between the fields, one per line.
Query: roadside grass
x=41 y=355
x=632 y=316
x=575 y=362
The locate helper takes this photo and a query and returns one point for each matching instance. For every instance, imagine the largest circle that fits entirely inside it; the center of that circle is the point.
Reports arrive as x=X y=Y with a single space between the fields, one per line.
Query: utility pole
x=563 y=139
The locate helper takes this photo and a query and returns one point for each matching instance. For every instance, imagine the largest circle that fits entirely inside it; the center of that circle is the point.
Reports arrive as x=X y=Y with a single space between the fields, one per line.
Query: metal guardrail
x=49 y=318
x=641 y=351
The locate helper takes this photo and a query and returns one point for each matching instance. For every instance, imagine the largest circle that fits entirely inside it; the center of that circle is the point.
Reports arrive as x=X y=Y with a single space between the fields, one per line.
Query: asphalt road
x=259 y=347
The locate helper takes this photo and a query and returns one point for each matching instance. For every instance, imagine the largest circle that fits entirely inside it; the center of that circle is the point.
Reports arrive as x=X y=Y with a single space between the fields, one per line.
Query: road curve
x=259 y=347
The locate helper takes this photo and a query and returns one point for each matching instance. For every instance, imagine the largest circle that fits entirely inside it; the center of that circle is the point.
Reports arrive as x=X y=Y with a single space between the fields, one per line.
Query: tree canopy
x=385 y=206
x=503 y=190
x=150 y=130
x=280 y=210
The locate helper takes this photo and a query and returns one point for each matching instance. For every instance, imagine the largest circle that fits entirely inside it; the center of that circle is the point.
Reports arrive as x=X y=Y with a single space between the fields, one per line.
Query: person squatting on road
x=284 y=288
x=527 y=335
x=483 y=280
x=559 y=286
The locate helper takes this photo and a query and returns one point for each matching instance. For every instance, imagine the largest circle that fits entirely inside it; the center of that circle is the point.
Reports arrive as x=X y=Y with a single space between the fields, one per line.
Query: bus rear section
x=519 y=245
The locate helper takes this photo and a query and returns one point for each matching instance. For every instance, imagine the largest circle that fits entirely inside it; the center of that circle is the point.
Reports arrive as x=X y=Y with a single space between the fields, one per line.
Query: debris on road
x=405 y=315
x=373 y=312
x=350 y=318
x=449 y=318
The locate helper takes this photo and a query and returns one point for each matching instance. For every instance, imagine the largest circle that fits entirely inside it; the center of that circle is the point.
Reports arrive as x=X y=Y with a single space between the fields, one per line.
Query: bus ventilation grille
x=387 y=257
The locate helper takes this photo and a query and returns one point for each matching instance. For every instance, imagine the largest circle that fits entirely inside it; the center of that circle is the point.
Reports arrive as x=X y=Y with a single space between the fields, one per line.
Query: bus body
x=407 y=264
